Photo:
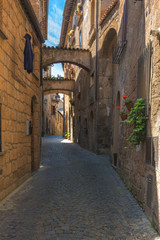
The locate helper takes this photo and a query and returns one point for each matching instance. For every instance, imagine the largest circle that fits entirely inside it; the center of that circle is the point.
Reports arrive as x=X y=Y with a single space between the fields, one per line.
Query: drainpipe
x=41 y=89
x=64 y=116
x=97 y=84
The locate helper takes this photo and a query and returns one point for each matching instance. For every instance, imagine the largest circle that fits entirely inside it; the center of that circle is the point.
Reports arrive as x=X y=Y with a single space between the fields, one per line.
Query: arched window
x=80 y=39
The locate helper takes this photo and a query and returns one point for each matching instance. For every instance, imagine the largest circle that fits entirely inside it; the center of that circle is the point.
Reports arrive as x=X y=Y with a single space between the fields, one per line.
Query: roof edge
x=31 y=14
x=66 y=16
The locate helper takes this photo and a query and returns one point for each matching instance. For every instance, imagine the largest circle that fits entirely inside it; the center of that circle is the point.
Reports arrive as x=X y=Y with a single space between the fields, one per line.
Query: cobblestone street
x=74 y=195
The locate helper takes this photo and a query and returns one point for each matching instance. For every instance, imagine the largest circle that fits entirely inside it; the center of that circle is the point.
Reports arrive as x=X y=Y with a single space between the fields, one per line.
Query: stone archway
x=58 y=84
x=34 y=135
x=79 y=57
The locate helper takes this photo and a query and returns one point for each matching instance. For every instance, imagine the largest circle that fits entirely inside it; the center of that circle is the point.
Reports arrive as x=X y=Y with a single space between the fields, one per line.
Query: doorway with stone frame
x=34 y=135
x=107 y=85
x=116 y=130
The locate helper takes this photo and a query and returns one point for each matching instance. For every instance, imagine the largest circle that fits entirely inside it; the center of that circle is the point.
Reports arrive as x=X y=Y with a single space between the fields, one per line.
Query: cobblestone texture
x=75 y=195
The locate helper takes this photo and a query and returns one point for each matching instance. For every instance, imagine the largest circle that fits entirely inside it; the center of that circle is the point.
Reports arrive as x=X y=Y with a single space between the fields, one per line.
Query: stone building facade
x=20 y=92
x=53 y=115
x=123 y=39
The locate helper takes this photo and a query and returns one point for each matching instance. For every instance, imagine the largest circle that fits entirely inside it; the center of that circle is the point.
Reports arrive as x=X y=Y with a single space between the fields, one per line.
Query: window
x=53 y=110
x=80 y=39
x=152 y=151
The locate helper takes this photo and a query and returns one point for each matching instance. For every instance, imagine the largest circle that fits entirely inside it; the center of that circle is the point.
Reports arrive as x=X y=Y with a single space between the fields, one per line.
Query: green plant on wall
x=137 y=118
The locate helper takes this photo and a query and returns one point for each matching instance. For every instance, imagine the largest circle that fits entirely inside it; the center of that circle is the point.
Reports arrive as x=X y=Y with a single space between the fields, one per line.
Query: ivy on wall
x=137 y=118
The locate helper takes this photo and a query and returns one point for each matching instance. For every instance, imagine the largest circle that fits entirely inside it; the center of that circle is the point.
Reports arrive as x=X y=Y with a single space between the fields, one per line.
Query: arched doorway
x=107 y=83
x=116 y=131
x=34 y=135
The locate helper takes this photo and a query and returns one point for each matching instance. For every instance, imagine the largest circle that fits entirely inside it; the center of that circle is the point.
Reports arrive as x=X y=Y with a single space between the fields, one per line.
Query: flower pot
x=124 y=117
x=129 y=106
x=69 y=138
x=65 y=137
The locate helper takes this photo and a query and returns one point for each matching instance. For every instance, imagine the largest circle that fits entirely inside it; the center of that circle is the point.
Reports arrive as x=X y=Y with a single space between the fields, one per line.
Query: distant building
x=47 y=73
x=53 y=115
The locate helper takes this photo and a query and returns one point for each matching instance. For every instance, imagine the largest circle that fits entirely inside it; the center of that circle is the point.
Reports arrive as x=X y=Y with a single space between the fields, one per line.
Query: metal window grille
x=118 y=52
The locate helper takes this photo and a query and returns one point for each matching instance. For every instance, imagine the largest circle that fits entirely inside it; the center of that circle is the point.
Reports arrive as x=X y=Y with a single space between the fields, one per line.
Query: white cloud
x=53 y=27
x=53 y=40
x=57 y=13
x=57 y=70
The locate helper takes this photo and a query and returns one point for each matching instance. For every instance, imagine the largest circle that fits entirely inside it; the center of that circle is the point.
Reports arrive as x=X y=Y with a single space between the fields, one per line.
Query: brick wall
x=17 y=88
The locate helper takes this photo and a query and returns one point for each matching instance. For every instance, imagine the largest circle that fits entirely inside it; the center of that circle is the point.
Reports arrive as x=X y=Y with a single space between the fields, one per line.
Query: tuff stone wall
x=112 y=82
x=53 y=123
x=18 y=91
x=41 y=10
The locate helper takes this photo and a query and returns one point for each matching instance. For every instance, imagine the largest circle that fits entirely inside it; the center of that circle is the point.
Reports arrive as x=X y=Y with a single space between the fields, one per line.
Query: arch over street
x=58 y=85
x=79 y=57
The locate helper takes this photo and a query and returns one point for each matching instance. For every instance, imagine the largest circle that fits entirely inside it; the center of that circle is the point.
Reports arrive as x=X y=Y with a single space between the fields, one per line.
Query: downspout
x=42 y=108
x=64 y=107
x=97 y=82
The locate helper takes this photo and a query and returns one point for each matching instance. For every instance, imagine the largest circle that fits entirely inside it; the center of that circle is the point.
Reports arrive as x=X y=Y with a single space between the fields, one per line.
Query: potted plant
x=79 y=9
x=137 y=119
x=129 y=104
x=66 y=135
x=71 y=33
x=69 y=136
x=123 y=116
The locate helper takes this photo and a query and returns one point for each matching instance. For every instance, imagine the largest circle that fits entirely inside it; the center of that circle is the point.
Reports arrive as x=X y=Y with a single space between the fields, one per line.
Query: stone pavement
x=74 y=195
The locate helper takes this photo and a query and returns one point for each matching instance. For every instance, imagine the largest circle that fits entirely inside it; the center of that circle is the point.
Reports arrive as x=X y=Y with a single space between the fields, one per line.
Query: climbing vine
x=137 y=118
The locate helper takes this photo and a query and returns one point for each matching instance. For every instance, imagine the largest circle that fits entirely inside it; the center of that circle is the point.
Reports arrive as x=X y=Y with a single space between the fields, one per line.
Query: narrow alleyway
x=74 y=195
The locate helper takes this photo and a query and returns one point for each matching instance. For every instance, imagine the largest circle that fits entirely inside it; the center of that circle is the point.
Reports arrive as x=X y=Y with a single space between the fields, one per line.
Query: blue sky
x=54 y=29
